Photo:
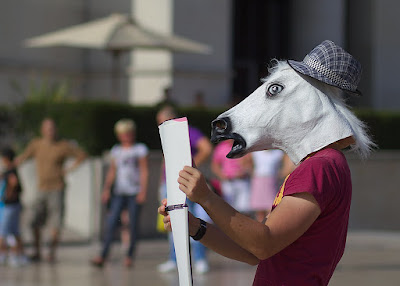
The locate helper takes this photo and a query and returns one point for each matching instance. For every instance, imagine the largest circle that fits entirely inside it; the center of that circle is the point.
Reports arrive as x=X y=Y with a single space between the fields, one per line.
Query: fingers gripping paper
x=175 y=143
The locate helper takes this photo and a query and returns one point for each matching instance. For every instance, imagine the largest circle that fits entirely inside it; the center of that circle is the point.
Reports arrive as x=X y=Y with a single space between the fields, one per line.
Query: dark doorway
x=260 y=33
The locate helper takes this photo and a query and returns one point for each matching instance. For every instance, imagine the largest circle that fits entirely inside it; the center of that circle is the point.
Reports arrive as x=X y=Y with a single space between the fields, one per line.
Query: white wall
x=150 y=71
x=82 y=212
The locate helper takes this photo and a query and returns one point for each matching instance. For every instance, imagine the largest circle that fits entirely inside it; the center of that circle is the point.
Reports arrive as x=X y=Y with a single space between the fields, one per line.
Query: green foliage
x=91 y=123
x=44 y=91
x=6 y=121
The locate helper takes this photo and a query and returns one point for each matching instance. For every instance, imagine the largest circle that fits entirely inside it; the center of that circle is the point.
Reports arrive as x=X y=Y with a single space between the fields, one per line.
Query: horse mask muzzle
x=221 y=129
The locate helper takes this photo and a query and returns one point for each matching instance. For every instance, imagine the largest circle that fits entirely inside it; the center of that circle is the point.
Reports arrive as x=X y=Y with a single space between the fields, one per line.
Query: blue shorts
x=9 y=223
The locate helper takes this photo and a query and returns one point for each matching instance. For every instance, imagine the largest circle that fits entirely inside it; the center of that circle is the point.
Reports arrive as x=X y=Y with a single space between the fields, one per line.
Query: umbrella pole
x=116 y=75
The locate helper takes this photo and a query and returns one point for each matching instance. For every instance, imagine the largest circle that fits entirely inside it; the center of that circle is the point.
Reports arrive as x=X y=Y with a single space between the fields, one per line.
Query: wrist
x=208 y=200
x=194 y=224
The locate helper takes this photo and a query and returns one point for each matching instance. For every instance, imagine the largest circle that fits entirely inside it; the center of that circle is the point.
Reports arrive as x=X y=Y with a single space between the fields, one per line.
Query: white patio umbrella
x=116 y=33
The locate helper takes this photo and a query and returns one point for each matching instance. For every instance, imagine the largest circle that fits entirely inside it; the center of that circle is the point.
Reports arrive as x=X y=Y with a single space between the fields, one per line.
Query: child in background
x=128 y=173
x=9 y=224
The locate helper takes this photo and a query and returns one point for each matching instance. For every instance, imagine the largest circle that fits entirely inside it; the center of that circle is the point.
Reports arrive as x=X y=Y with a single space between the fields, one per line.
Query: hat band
x=329 y=74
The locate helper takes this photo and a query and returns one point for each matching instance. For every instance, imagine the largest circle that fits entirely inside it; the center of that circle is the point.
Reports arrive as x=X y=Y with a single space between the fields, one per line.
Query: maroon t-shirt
x=313 y=257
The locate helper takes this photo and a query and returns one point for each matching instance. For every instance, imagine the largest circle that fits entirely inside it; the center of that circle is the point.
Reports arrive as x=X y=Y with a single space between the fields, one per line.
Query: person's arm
x=214 y=239
x=26 y=154
x=143 y=180
x=290 y=219
x=110 y=177
x=204 y=149
x=12 y=183
x=79 y=156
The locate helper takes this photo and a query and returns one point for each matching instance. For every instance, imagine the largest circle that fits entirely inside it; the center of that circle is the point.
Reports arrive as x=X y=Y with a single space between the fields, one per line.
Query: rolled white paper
x=175 y=143
x=180 y=234
x=176 y=148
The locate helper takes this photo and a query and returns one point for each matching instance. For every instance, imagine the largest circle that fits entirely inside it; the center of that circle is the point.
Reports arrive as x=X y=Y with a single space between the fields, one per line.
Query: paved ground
x=370 y=259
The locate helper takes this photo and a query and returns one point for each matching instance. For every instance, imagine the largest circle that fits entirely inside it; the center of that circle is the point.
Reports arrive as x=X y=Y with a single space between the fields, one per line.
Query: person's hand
x=141 y=198
x=167 y=218
x=194 y=223
x=193 y=184
x=105 y=196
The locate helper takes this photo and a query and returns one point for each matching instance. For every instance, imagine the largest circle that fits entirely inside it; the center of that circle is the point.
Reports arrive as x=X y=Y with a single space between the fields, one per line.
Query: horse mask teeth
x=238 y=147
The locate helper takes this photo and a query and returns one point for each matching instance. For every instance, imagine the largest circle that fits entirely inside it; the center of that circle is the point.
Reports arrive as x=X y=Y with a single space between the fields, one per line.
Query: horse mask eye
x=274 y=89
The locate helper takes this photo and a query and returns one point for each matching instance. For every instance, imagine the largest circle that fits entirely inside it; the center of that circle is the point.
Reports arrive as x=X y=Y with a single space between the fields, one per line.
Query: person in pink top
x=234 y=175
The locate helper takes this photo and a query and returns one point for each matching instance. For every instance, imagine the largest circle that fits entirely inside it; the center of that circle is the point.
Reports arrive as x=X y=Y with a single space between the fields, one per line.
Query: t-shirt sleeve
x=142 y=150
x=314 y=176
x=114 y=151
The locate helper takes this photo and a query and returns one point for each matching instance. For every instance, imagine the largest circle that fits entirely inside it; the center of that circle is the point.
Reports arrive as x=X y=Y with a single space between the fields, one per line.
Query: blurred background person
x=201 y=149
x=234 y=175
x=50 y=154
x=264 y=182
x=199 y=100
x=166 y=99
x=10 y=221
x=128 y=177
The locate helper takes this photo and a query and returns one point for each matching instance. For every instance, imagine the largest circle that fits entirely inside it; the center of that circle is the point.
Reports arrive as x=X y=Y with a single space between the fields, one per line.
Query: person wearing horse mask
x=299 y=109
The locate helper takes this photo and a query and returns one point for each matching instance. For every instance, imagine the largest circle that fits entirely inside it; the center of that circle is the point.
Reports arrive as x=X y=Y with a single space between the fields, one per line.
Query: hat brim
x=309 y=71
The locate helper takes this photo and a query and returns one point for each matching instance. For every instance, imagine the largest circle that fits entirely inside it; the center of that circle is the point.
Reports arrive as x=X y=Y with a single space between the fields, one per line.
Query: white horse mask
x=291 y=112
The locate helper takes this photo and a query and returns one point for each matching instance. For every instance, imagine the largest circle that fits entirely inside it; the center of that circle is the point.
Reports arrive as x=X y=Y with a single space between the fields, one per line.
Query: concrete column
x=150 y=71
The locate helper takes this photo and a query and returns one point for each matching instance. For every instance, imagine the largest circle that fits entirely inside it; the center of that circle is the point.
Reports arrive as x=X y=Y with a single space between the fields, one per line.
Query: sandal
x=97 y=262
x=128 y=262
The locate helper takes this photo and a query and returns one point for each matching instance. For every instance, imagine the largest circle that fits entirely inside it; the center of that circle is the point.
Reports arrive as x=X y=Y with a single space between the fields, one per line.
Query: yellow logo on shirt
x=279 y=196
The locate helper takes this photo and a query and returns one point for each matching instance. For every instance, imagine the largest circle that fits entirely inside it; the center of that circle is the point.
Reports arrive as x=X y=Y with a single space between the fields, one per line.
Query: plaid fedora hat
x=332 y=65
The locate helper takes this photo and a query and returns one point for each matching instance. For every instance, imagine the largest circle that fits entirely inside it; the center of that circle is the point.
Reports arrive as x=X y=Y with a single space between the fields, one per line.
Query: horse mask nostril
x=220 y=125
x=220 y=129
